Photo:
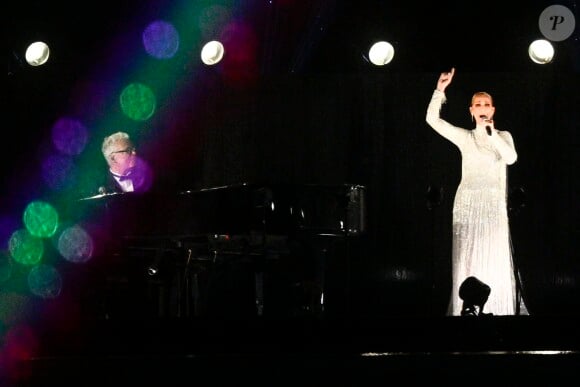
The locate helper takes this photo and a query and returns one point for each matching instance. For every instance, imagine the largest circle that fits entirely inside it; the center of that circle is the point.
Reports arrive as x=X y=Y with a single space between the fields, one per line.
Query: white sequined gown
x=481 y=236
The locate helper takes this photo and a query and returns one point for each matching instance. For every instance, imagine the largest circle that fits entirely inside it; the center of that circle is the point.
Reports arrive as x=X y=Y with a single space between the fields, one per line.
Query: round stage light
x=37 y=53
x=541 y=51
x=381 y=53
x=212 y=52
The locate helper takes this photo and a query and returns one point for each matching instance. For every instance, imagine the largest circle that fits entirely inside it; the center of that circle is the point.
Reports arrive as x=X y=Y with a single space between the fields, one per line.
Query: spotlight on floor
x=474 y=294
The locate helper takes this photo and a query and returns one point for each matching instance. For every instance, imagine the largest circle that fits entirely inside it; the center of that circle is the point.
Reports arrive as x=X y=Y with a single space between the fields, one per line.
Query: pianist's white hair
x=113 y=139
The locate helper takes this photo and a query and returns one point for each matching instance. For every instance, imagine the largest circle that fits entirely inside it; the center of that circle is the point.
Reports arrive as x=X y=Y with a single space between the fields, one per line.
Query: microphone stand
x=518 y=294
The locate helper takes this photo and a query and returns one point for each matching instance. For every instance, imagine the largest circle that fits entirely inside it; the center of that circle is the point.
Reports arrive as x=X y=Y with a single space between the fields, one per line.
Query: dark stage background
x=311 y=116
x=301 y=111
x=370 y=130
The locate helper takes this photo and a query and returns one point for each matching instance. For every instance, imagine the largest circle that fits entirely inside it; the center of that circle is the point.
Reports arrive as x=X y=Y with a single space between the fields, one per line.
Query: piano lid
x=234 y=209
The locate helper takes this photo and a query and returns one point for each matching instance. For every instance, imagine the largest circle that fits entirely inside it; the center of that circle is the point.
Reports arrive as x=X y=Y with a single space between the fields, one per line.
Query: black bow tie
x=126 y=176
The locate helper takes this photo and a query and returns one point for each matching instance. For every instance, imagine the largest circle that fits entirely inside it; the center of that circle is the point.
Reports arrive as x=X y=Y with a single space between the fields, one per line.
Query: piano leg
x=191 y=291
x=259 y=276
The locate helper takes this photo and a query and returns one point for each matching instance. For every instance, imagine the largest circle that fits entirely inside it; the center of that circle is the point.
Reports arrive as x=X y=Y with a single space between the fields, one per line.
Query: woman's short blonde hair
x=481 y=94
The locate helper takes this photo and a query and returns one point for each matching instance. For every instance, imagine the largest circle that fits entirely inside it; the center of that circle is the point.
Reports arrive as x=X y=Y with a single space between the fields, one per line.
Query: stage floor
x=273 y=352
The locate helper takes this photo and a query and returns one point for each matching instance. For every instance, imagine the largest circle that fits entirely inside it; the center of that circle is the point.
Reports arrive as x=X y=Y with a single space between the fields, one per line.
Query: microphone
x=487 y=127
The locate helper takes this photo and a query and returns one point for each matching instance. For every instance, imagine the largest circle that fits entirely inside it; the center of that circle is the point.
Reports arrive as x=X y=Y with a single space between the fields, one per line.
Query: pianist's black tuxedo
x=141 y=175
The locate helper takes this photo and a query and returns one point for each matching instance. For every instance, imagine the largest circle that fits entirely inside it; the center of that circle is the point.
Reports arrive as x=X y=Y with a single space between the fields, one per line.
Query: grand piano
x=205 y=248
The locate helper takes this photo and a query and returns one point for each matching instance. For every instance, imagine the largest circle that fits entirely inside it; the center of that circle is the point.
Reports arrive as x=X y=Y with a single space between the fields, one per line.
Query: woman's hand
x=445 y=80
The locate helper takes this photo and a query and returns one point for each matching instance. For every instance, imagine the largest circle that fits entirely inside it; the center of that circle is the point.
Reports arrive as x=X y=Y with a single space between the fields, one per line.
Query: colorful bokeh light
x=75 y=244
x=138 y=102
x=25 y=248
x=40 y=219
x=161 y=39
x=45 y=281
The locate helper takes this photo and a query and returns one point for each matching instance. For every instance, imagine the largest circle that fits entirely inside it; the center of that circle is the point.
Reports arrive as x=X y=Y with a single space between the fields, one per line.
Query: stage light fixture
x=212 y=52
x=541 y=51
x=37 y=53
x=381 y=53
x=474 y=294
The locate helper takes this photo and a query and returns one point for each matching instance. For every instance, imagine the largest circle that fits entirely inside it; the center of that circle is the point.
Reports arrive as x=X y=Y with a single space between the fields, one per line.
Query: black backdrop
x=370 y=129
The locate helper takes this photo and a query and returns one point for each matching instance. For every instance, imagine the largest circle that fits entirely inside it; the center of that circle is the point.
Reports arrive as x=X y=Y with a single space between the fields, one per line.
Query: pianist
x=127 y=171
